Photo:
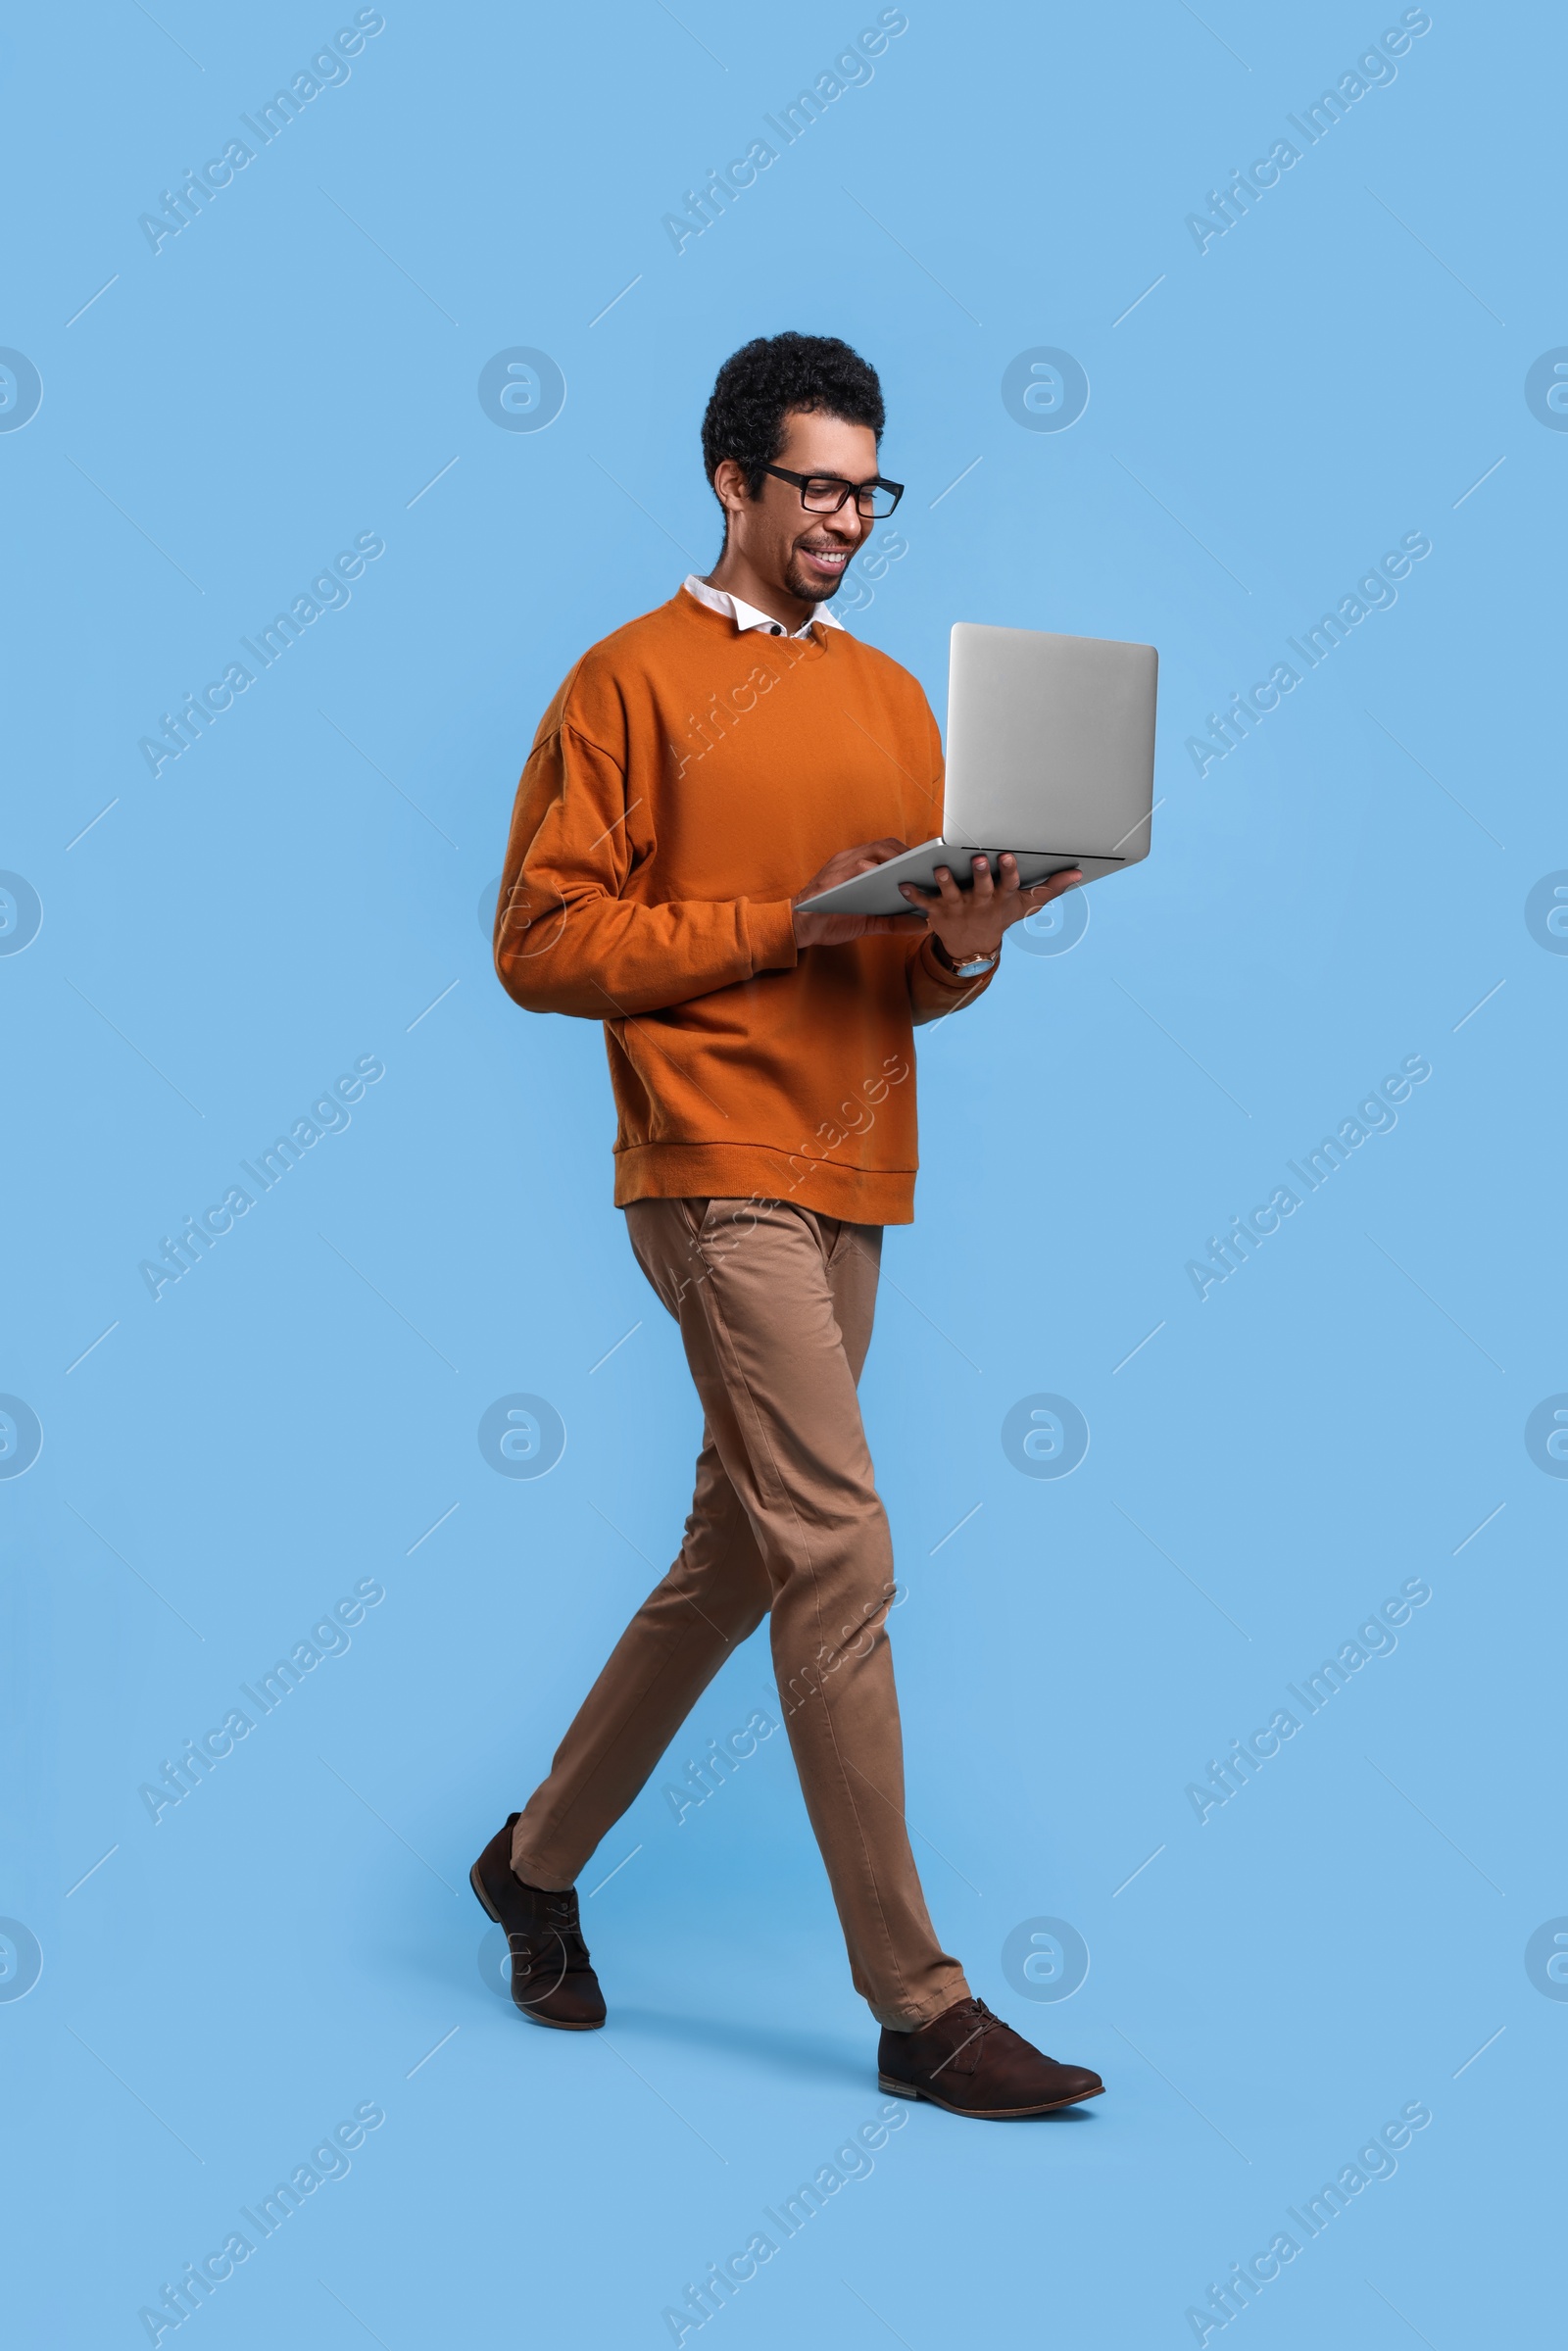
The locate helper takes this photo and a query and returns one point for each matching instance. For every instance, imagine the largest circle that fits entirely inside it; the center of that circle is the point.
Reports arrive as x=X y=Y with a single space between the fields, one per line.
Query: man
x=692 y=771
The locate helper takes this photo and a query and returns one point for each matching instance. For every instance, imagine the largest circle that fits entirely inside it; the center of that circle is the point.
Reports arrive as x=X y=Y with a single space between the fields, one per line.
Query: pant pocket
x=694 y=1216
x=866 y=1238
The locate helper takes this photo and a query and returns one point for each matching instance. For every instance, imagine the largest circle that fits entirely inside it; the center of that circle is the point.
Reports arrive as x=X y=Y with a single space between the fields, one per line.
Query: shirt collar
x=748 y=615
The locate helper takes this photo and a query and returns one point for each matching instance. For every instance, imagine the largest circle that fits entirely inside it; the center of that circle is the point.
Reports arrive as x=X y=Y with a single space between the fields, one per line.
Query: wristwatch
x=975 y=965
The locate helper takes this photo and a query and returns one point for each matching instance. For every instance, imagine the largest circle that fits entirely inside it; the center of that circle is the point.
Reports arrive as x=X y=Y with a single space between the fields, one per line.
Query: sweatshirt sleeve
x=566 y=940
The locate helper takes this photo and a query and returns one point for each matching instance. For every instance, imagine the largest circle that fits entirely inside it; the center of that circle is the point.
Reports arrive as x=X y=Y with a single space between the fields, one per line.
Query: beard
x=809 y=590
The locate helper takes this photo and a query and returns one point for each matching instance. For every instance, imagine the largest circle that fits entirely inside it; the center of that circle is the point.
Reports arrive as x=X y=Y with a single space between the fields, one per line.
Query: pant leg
x=713 y=1598
x=775 y=1308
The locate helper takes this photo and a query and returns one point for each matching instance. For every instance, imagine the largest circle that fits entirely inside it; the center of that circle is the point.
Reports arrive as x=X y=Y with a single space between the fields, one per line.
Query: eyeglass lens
x=825 y=496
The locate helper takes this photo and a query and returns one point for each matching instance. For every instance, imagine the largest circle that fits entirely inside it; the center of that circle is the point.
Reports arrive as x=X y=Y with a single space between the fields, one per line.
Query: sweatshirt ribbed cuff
x=770 y=934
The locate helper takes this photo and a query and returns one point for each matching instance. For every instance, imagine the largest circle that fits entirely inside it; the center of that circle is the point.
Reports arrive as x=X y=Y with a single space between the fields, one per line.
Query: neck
x=735 y=576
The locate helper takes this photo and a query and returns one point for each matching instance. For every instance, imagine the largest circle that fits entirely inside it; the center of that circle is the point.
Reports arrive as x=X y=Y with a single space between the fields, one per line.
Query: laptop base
x=877 y=892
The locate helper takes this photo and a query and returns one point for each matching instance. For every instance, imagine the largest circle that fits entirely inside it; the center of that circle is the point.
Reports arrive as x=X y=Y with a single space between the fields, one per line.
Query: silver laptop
x=1051 y=756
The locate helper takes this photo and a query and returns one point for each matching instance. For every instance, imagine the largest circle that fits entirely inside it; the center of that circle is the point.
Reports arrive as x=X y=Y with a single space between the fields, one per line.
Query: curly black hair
x=760 y=383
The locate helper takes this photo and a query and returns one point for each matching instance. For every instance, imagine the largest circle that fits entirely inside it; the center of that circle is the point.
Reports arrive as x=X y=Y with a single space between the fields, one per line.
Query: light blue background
x=298 y=888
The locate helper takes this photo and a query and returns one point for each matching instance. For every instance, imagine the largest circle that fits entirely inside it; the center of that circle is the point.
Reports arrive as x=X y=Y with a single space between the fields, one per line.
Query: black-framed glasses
x=826 y=493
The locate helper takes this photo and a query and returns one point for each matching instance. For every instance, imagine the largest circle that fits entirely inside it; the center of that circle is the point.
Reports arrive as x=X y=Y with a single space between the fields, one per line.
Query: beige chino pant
x=775 y=1307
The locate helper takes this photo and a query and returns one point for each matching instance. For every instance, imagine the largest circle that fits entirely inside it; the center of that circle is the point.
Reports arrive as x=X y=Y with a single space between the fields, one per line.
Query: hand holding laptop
x=968 y=921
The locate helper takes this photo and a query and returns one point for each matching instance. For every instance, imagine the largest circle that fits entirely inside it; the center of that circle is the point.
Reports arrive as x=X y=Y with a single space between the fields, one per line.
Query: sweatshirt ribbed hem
x=747 y=1170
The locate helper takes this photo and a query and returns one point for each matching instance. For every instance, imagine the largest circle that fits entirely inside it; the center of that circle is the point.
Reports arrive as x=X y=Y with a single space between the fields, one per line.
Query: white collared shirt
x=748 y=615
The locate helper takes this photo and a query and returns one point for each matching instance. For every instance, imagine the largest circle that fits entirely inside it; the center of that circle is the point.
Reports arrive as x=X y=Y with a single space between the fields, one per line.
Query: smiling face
x=794 y=552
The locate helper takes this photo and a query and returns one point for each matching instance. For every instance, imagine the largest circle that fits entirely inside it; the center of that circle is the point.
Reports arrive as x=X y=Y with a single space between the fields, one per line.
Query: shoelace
x=980 y=2021
x=984 y=2019
x=561 y=1910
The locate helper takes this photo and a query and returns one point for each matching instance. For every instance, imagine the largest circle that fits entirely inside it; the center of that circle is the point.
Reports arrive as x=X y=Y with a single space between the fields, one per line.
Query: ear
x=729 y=485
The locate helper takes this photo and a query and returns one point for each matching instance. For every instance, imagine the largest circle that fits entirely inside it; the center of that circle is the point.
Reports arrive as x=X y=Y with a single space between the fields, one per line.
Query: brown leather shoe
x=551 y=1981
x=970 y=2061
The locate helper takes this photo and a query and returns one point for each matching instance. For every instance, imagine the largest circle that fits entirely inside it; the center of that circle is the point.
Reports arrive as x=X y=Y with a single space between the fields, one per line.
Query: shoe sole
x=986 y=2114
x=553 y=2022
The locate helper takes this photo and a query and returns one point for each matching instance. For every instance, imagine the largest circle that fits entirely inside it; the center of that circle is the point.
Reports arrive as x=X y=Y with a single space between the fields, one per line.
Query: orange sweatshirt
x=685 y=783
